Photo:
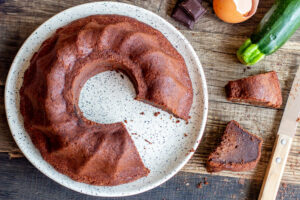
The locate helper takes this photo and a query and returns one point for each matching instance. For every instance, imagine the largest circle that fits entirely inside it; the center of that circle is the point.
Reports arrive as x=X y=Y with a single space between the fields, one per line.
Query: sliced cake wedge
x=239 y=150
x=262 y=89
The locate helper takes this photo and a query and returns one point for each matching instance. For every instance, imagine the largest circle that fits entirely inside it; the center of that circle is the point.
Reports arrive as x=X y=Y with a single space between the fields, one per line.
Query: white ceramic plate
x=108 y=98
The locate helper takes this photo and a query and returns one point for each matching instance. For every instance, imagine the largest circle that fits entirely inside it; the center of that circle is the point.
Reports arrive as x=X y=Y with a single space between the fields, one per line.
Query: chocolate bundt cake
x=239 y=150
x=86 y=151
x=262 y=89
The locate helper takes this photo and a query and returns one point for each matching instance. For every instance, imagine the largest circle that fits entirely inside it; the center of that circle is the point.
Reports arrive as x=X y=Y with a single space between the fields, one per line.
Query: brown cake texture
x=239 y=150
x=263 y=90
x=86 y=151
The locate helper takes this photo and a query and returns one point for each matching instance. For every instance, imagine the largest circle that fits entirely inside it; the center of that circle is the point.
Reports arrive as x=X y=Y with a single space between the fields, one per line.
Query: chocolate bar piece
x=193 y=8
x=181 y=16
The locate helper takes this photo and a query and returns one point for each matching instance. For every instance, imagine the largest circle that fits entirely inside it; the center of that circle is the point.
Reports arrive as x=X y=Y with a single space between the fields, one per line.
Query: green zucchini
x=276 y=27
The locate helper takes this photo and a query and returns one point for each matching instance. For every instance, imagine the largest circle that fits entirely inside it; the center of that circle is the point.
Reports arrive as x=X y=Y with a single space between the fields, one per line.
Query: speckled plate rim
x=74 y=186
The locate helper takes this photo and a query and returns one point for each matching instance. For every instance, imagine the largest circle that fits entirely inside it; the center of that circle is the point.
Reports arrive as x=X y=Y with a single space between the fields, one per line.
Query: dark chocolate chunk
x=193 y=8
x=180 y=16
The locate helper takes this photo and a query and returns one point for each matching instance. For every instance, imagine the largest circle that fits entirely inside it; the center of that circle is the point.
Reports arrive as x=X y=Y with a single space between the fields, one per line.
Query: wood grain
x=215 y=43
x=21 y=181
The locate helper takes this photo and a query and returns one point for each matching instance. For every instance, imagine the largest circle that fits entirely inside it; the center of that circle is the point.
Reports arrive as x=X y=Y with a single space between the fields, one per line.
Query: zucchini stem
x=249 y=54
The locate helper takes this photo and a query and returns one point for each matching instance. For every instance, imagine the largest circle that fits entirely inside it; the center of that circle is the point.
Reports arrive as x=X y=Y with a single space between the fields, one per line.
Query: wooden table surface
x=215 y=43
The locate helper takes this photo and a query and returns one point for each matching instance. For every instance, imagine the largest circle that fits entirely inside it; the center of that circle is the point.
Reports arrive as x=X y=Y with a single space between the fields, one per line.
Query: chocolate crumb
x=122 y=76
x=185 y=135
x=142 y=113
x=170 y=116
x=133 y=133
x=186 y=122
x=125 y=121
x=156 y=114
x=177 y=121
x=199 y=185
x=148 y=141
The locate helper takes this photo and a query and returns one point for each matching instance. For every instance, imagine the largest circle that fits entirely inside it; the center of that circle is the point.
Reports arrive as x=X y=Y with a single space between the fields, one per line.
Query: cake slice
x=239 y=150
x=263 y=90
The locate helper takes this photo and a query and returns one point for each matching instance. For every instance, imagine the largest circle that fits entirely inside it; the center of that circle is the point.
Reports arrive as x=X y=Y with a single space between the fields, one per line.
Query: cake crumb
x=189 y=117
x=284 y=185
x=148 y=141
x=192 y=150
x=282 y=190
x=199 y=185
x=187 y=184
x=170 y=116
x=142 y=113
x=156 y=114
x=177 y=121
x=205 y=181
x=298 y=119
x=186 y=122
x=185 y=135
x=125 y=121
x=133 y=133
x=242 y=181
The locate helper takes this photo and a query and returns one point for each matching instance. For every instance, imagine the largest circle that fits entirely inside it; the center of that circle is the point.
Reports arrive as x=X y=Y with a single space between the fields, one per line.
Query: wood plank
x=215 y=43
x=21 y=181
x=7 y=144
